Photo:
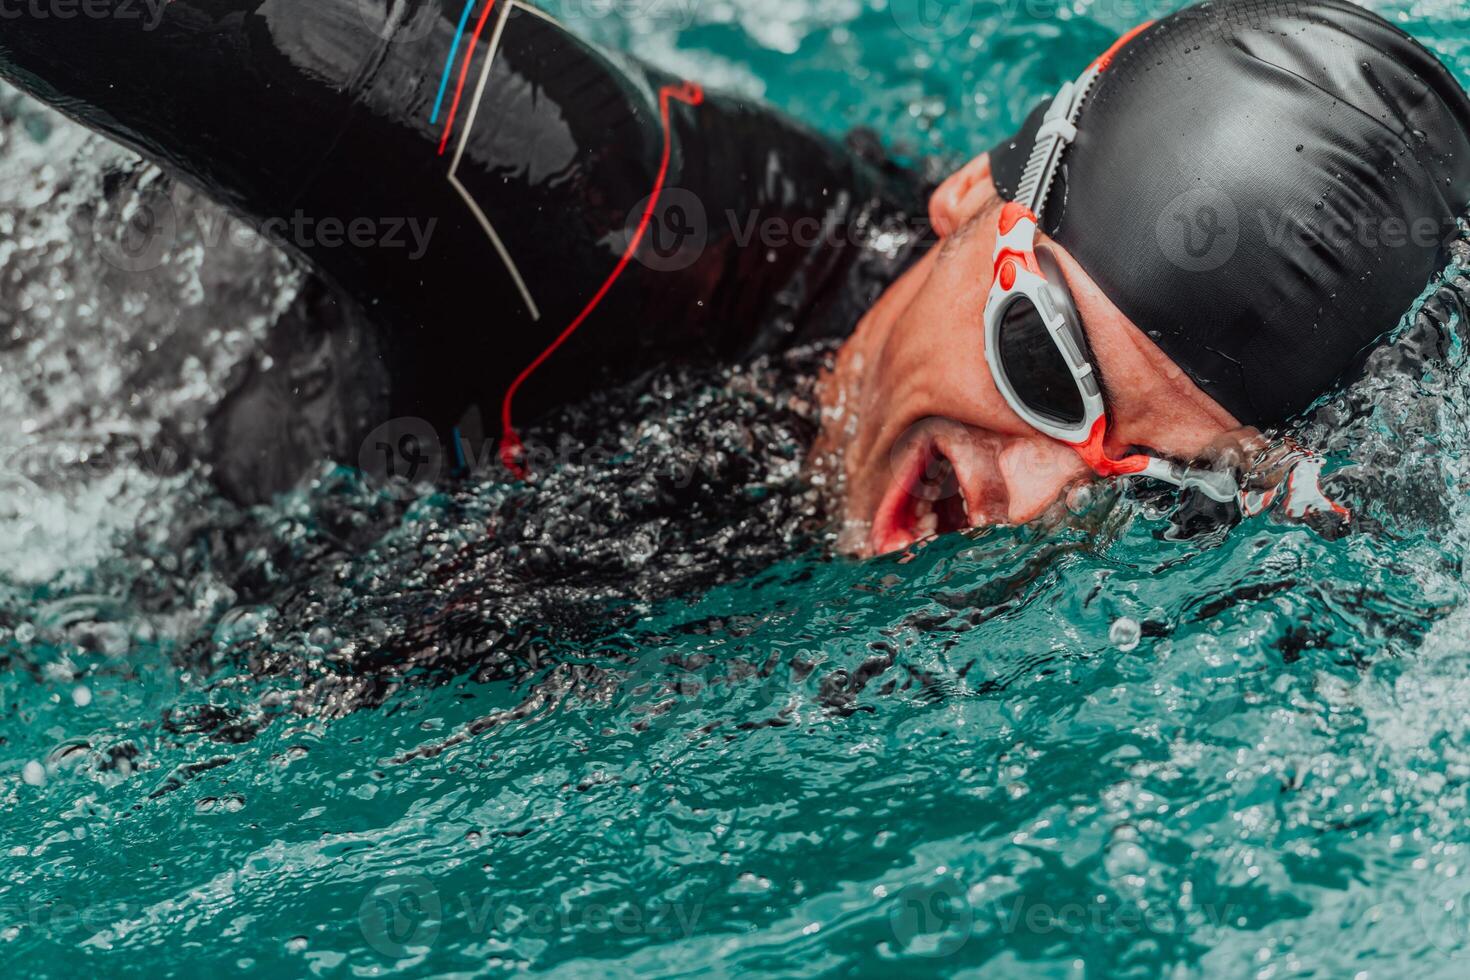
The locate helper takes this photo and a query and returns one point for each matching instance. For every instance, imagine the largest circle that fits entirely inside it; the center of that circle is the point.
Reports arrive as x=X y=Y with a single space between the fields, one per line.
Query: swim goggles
x=1034 y=341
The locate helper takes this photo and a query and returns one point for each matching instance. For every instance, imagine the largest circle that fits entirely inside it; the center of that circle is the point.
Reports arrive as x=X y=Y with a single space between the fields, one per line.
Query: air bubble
x=1125 y=633
x=1079 y=499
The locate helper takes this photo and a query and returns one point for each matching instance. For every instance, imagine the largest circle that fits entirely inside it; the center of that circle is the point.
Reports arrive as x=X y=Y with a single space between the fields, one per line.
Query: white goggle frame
x=1022 y=274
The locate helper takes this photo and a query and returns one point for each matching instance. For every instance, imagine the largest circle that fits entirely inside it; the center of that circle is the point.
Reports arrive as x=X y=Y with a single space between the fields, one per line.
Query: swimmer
x=1197 y=238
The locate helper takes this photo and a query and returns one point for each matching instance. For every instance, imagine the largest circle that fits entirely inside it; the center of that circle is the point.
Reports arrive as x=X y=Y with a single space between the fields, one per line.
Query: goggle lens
x=1035 y=366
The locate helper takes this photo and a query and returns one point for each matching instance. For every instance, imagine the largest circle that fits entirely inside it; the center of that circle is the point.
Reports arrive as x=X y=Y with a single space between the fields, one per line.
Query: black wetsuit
x=533 y=216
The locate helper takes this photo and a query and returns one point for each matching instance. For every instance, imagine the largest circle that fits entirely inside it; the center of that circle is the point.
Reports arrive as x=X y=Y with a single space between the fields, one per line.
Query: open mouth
x=925 y=501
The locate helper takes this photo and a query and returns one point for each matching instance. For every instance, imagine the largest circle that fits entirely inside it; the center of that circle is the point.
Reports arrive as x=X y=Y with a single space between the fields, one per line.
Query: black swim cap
x=1264 y=187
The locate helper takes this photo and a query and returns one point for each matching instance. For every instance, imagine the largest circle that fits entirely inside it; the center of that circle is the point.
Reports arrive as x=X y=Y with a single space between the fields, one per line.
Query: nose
x=1034 y=468
x=1029 y=469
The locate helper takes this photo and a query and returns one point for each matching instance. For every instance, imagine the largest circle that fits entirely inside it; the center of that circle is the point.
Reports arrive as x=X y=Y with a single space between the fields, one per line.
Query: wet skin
x=926 y=442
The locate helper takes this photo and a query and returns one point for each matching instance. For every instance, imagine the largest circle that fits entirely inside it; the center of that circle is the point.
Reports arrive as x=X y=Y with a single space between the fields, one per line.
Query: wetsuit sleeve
x=521 y=215
x=598 y=217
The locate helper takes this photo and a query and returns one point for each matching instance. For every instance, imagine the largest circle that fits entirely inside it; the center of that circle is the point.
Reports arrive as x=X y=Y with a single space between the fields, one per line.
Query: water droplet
x=242 y=623
x=1125 y=633
x=1079 y=499
x=81 y=695
x=34 y=773
x=296 y=944
x=1125 y=856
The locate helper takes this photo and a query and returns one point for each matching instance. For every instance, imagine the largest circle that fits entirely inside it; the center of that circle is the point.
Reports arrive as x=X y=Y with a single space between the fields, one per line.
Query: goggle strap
x=1216 y=485
x=1059 y=128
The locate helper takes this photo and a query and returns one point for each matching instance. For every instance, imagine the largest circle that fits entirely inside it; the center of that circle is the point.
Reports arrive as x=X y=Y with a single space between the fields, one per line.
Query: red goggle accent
x=1095 y=456
x=1005 y=271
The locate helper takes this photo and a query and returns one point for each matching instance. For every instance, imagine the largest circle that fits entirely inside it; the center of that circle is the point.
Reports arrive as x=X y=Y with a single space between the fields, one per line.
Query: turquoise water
x=619 y=722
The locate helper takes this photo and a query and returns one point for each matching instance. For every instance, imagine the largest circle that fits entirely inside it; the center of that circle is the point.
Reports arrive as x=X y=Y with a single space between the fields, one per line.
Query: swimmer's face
x=911 y=396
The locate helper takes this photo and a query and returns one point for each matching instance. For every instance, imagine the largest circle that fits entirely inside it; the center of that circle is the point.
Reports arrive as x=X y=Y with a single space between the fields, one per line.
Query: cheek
x=937 y=320
x=939 y=336
x=1164 y=421
x=1036 y=472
